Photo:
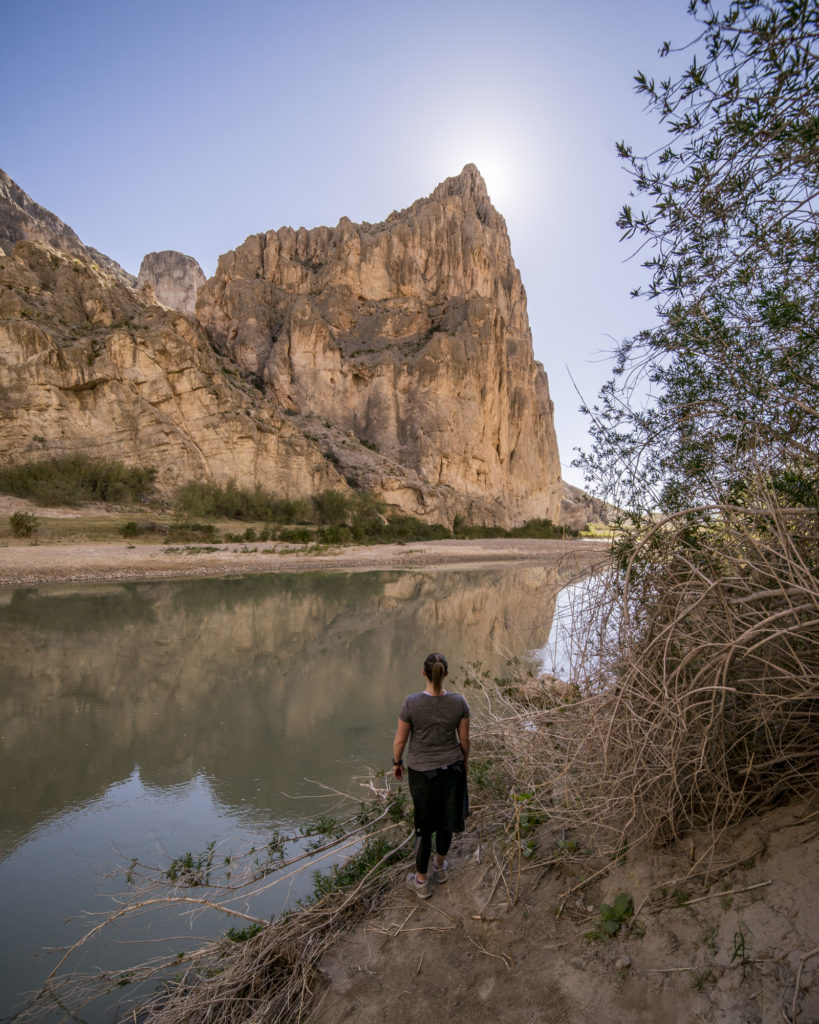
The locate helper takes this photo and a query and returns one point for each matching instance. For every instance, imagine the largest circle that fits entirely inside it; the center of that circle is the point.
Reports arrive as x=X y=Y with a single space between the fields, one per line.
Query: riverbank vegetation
x=211 y=513
x=75 y=479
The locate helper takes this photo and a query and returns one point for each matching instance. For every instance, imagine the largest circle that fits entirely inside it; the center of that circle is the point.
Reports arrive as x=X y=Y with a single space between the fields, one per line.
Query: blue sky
x=173 y=124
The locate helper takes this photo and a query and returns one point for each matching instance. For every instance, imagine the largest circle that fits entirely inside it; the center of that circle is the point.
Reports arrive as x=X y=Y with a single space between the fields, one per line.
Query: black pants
x=438 y=805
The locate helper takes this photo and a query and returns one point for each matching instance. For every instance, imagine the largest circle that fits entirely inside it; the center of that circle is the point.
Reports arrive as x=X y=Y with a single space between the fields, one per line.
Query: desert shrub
x=23 y=524
x=73 y=479
x=189 y=532
x=543 y=529
x=335 y=535
x=408 y=528
x=296 y=535
x=467 y=531
x=540 y=529
x=130 y=529
x=332 y=507
x=201 y=499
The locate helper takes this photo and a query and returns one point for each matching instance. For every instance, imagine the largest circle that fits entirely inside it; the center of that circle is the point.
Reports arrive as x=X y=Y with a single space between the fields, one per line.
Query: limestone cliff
x=90 y=366
x=411 y=337
x=392 y=357
x=175 y=278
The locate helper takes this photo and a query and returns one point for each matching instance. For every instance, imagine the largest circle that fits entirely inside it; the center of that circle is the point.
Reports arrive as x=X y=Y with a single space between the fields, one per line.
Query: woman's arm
x=398 y=744
x=463 y=738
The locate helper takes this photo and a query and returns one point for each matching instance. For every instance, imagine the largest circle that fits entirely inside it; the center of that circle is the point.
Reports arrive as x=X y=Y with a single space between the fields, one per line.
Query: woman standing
x=436 y=723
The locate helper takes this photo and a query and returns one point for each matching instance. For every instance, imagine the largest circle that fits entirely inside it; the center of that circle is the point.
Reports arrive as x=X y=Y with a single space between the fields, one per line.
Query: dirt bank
x=727 y=934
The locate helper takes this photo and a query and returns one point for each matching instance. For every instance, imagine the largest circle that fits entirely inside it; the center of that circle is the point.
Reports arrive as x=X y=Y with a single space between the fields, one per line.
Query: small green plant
x=612 y=917
x=699 y=979
x=23 y=524
x=709 y=940
x=680 y=897
x=130 y=529
x=192 y=870
x=243 y=934
x=569 y=848
x=740 y=951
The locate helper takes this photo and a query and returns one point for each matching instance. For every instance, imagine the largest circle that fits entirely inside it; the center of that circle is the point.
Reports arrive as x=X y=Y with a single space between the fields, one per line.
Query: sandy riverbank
x=25 y=564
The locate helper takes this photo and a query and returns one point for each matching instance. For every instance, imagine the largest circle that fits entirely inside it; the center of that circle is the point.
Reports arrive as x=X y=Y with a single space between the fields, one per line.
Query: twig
x=728 y=892
x=802 y=962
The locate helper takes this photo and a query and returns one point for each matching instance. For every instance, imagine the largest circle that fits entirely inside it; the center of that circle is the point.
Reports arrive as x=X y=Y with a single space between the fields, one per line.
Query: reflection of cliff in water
x=259 y=682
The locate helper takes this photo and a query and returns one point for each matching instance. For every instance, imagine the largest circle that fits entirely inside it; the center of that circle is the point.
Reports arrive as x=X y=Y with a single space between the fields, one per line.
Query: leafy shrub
x=544 y=529
x=192 y=532
x=130 y=529
x=332 y=507
x=200 y=499
x=336 y=535
x=540 y=529
x=72 y=479
x=23 y=524
x=296 y=535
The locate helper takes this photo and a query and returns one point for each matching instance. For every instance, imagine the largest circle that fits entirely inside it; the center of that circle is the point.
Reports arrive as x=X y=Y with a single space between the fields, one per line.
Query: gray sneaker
x=421 y=889
x=441 y=874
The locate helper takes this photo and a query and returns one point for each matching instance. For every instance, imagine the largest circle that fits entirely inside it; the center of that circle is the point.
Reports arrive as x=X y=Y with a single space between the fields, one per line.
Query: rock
x=394 y=358
x=176 y=279
x=413 y=335
x=22 y=218
x=579 y=509
x=89 y=366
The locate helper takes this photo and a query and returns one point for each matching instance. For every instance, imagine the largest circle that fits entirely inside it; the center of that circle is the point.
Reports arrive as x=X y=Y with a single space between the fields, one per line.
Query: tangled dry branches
x=697 y=701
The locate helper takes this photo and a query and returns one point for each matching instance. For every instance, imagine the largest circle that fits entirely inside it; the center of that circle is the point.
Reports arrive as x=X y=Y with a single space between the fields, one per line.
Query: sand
x=26 y=564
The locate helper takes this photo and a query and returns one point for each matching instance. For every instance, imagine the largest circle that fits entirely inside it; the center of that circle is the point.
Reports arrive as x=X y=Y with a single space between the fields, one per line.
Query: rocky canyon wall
x=392 y=357
x=411 y=336
x=89 y=366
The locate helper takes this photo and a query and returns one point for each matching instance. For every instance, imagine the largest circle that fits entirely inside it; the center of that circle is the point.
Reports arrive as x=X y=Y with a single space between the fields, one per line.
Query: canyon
x=394 y=358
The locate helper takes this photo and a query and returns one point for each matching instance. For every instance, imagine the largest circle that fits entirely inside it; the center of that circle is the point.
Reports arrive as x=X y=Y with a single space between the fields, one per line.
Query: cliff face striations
x=412 y=336
x=392 y=357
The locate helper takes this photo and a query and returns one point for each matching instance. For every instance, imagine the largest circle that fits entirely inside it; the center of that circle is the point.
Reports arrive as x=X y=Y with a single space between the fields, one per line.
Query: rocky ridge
x=393 y=357
x=22 y=218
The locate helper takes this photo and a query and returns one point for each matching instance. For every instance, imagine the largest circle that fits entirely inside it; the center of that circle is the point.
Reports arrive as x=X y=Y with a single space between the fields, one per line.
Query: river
x=149 y=719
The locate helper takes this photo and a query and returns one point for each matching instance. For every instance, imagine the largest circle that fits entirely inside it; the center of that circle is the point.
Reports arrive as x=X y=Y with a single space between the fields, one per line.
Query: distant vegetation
x=333 y=517
x=329 y=517
x=73 y=479
x=23 y=524
x=201 y=499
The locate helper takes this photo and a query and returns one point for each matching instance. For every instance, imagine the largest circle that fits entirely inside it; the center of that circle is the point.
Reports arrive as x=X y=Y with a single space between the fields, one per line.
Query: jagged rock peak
x=372 y=329
x=22 y=218
x=469 y=184
x=175 y=278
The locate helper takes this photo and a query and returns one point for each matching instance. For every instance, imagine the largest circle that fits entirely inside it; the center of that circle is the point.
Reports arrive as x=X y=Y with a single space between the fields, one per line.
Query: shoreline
x=23 y=565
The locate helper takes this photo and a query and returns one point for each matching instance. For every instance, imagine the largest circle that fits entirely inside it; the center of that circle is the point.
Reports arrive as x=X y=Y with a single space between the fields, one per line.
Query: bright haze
x=190 y=125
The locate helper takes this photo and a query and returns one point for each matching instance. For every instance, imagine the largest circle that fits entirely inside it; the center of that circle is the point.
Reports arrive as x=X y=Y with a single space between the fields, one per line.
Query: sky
x=190 y=124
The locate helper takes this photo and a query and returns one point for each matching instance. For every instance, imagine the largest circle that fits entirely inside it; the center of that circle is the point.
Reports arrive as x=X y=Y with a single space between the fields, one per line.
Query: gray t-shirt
x=433 y=729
